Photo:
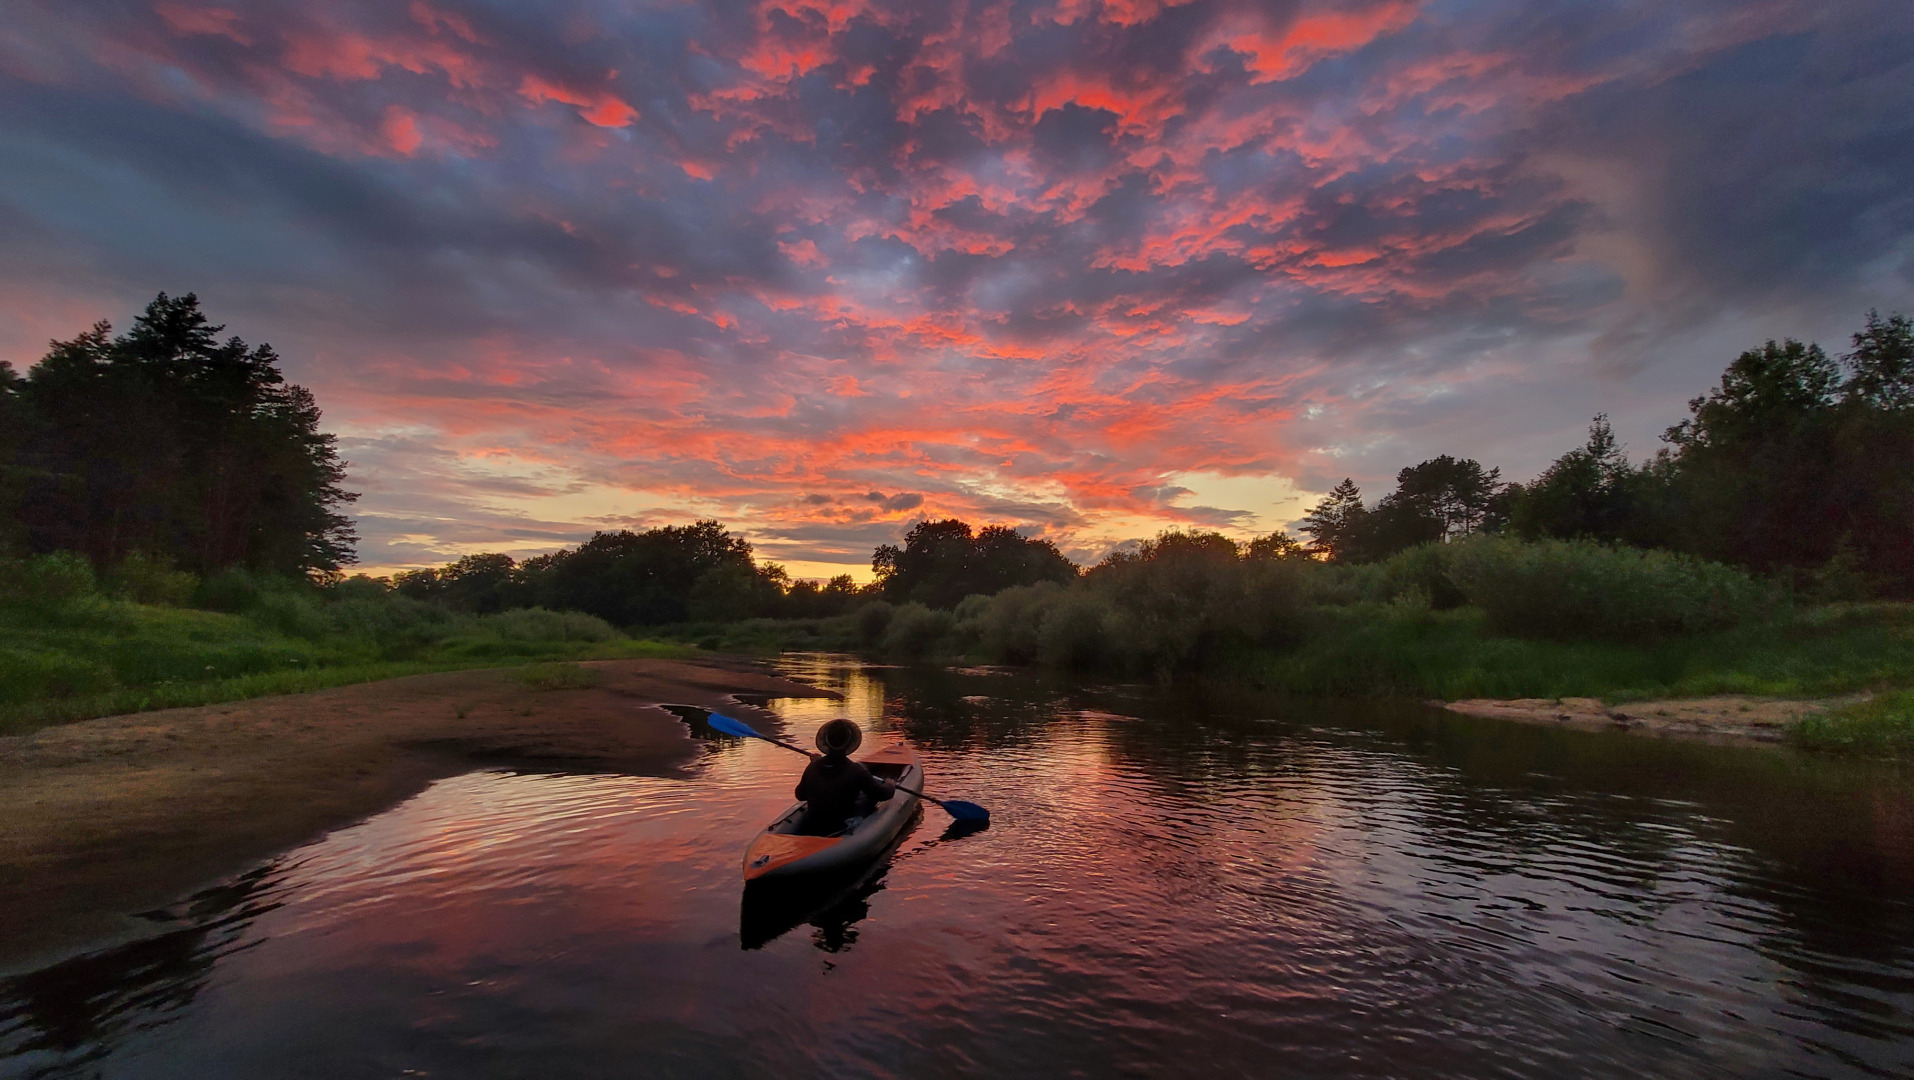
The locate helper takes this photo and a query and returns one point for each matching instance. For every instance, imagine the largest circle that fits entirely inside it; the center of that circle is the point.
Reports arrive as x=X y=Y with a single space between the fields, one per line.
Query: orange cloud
x=599 y=107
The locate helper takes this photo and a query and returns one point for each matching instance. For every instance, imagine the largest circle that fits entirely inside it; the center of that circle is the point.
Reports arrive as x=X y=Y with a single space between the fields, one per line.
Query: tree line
x=1796 y=465
x=166 y=443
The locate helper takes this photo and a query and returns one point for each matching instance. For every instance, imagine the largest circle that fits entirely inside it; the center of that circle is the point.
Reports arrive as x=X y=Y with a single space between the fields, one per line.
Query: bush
x=147 y=580
x=872 y=620
x=52 y=582
x=1004 y=628
x=1076 y=630
x=538 y=624
x=559 y=676
x=1578 y=589
x=34 y=675
x=232 y=590
x=394 y=621
x=914 y=631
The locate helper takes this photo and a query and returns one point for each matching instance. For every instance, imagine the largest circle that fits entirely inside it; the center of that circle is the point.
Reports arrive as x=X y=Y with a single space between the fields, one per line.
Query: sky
x=823 y=268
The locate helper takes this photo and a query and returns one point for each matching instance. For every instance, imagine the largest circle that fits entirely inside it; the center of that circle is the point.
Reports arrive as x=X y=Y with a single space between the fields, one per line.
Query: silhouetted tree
x=1881 y=367
x=482 y=583
x=1277 y=545
x=1755 y=477
x=1337 y=524
x=942 y=562
x=1590 y=492
x=169 y=442
x=652 y=577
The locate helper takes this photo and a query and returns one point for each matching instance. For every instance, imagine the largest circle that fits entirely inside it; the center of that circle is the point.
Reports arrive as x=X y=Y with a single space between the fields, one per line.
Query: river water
x=1191 y=883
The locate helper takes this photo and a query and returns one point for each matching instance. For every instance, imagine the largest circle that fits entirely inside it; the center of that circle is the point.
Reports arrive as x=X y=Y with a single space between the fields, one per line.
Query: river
x=1195 y=882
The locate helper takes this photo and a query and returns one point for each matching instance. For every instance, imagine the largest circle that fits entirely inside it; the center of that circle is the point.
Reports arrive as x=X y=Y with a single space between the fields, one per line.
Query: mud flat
x=104 y=819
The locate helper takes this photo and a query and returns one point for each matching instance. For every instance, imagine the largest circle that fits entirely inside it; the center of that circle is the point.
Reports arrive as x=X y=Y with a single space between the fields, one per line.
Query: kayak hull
x=780 y=852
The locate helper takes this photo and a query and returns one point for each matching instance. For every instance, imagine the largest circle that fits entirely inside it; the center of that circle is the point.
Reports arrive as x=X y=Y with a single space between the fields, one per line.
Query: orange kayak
x=780 y=851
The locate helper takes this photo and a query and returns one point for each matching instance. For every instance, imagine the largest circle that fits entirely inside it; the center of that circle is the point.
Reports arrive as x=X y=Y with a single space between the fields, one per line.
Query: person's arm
x=807 y=784
x=879 y=789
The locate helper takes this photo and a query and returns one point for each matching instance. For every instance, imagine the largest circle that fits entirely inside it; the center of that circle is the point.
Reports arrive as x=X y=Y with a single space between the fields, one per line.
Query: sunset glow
x=822 y=268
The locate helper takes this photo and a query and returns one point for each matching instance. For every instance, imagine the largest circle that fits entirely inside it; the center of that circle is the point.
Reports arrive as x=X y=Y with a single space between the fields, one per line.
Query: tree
x=169 y=442
x=1336 y=524
x=1589 y=492
x=1881 y=367
x=649 y=578
x=482 y=583
x=1277 y=545
x=1440 y=499
x=1755 y=471
x=942 y=562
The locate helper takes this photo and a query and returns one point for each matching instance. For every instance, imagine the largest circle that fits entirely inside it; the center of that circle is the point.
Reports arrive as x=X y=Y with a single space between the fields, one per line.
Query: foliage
x=145 y=579
x=1883 y=724
x=648 y=578
x=169 y=442
x=914 y=632
x=559 y=676
x=1578 y=589
x=68 y=650
x=49 y=584
x=1441 y=499
x=942 y=562
x=1590 y=492
x=1335 y=525
x=538 y=624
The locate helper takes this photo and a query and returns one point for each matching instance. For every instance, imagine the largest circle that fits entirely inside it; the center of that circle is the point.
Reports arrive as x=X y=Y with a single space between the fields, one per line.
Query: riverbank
x=110 y=817
x=1730 y=718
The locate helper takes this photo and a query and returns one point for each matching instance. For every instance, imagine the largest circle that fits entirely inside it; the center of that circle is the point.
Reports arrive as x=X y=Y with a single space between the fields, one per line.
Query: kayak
x=780 y=851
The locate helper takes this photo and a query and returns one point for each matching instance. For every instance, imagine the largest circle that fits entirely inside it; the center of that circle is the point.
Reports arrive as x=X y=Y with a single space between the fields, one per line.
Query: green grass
x=1883 y=725
x=1377 y=650
x=550 y=676
x=102 y=657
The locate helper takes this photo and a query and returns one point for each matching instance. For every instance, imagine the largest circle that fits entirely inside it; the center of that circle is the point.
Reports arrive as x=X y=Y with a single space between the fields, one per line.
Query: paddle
x=956 y=808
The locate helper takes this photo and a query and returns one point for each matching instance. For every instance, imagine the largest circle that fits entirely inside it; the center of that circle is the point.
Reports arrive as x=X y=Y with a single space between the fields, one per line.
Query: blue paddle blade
x=721 y=722
x=959 y=810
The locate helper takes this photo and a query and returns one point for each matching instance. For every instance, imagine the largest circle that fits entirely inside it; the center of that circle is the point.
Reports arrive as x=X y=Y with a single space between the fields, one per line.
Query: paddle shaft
x=957 y=808
x=808 y=754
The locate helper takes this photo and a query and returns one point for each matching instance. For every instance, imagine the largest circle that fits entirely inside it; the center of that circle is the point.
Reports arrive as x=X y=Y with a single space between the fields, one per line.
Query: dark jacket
x=836 y=788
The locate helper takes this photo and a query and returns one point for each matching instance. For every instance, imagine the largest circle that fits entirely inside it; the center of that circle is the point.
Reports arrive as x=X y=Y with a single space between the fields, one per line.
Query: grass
x=559 y=677
x=106 y=657
x=1883 y=725
x=1372 y=650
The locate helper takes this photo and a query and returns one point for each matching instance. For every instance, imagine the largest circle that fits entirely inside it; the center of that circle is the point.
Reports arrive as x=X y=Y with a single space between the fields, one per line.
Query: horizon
x=820 y=269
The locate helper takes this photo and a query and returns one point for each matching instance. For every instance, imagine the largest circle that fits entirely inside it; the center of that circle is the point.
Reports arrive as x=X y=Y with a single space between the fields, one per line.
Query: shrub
x=538 y=624
x=51 y=582
x=1424 y=570
x=914 y=631
x=144 y=579
x=1004 y=628
x=233 y=590
x=559 y=676
x=1570 y=589
x=395 y=621
x=34 y=675
x=872 y=620
x=290 y=613
x=359 y=587
x=1076 y=630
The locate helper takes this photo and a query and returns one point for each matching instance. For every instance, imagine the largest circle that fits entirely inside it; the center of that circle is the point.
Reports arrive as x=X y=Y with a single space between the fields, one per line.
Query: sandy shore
x=107 y=818
x=1726 y=718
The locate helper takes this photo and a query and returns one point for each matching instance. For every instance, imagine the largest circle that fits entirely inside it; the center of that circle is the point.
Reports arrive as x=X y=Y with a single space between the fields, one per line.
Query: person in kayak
x=834 y=788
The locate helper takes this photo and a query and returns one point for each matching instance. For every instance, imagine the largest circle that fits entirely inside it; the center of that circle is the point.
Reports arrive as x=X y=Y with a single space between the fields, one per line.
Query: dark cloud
x=557 y=265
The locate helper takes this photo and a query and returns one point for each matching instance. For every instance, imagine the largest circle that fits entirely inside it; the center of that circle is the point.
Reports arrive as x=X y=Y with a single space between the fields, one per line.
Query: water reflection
x=74 y=1012
x=1186 y=882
